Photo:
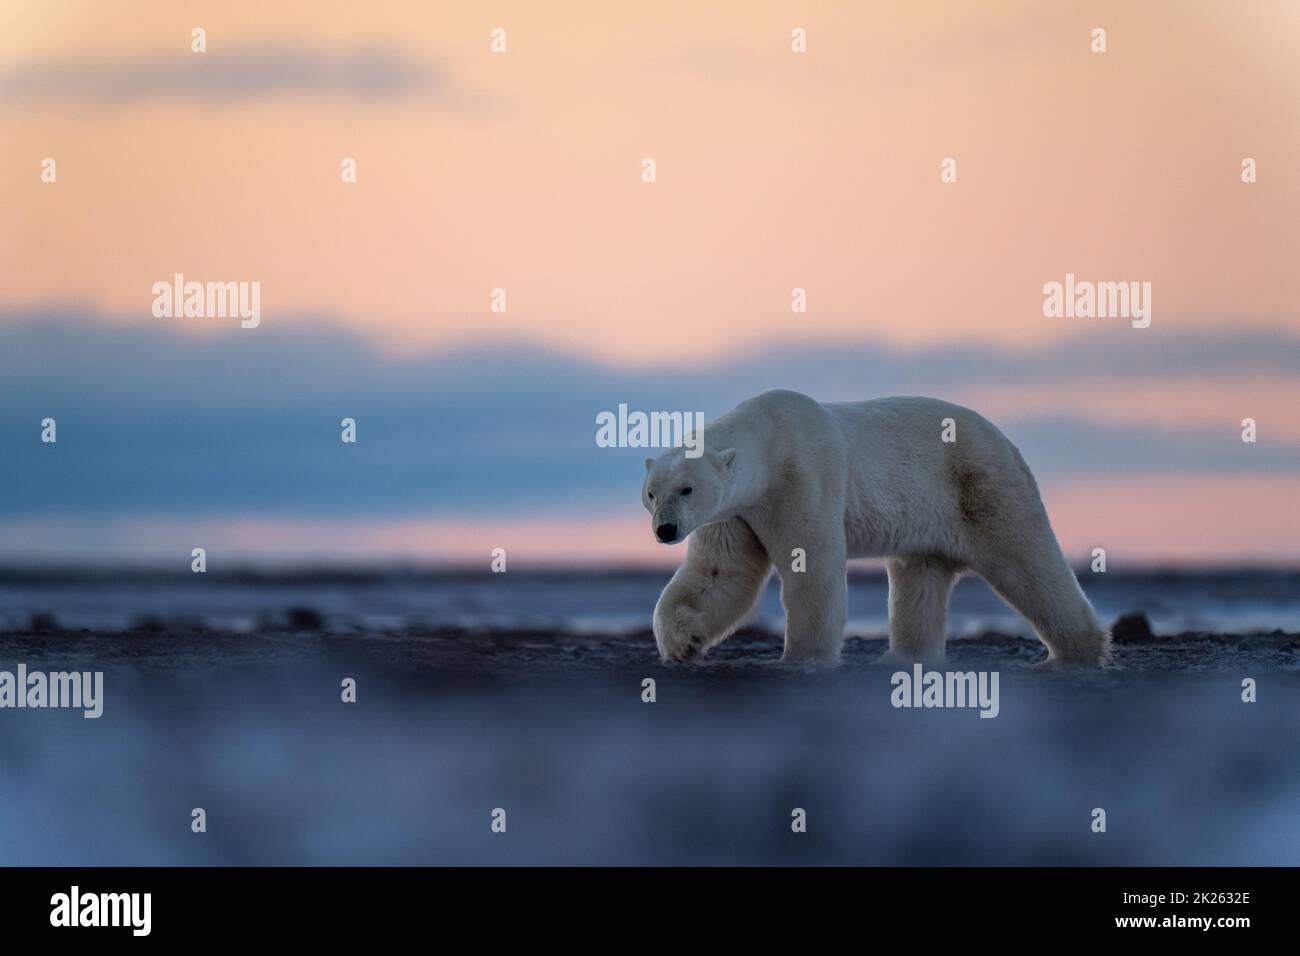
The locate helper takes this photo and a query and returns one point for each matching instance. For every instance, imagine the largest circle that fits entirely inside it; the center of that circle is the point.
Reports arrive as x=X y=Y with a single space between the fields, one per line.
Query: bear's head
x=683 y=494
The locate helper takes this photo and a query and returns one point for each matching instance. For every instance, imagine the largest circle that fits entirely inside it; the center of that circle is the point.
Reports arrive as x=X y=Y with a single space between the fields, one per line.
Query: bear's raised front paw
x=684 y=648
x=681 y=639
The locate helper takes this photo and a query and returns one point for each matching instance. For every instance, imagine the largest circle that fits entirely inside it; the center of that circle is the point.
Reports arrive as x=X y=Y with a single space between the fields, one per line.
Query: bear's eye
x=650 y=495
x=686 y=490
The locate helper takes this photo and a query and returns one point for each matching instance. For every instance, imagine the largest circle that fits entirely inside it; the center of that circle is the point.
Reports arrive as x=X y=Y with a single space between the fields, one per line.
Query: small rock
x=1131 y=627
x=305 y=619
x=43 y=622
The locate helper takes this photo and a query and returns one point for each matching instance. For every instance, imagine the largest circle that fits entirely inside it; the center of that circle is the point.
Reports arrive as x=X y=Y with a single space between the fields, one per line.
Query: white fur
x=857 y=480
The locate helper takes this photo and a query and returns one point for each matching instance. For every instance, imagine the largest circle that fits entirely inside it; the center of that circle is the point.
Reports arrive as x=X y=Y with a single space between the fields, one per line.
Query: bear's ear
x=648 y=463
x=726 y=457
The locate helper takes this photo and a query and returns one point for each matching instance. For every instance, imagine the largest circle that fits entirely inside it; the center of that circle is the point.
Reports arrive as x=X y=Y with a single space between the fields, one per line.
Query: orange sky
x=775 y=170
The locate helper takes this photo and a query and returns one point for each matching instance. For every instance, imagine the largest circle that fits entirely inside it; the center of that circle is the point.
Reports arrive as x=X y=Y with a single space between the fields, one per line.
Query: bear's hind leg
x=919 y=587
x=718 y=584
x=1044 y=589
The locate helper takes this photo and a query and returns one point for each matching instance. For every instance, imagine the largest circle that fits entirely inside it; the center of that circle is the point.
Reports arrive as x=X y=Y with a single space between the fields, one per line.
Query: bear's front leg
x=719 y=583
x=815 y=595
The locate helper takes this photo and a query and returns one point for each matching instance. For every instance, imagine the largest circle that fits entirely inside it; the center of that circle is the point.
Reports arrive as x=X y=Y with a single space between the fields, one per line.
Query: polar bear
x=933 y=487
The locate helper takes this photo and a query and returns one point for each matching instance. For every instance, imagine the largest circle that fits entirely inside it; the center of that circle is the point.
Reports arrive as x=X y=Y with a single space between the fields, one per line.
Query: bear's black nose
x=666 y=532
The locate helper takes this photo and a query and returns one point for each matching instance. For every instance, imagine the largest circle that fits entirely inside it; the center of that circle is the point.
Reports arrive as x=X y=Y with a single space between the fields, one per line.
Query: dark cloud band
x=225 y=75
x=151 y=418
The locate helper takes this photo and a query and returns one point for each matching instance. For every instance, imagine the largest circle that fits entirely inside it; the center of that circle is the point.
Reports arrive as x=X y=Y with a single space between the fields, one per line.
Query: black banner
x=366 y=904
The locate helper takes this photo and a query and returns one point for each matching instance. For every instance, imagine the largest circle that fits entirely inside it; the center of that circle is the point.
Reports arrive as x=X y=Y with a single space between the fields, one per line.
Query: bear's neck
x=748 y=480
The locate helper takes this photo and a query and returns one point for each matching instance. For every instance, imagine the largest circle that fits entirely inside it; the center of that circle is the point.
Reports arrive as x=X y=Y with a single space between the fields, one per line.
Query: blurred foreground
x=451 y=724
